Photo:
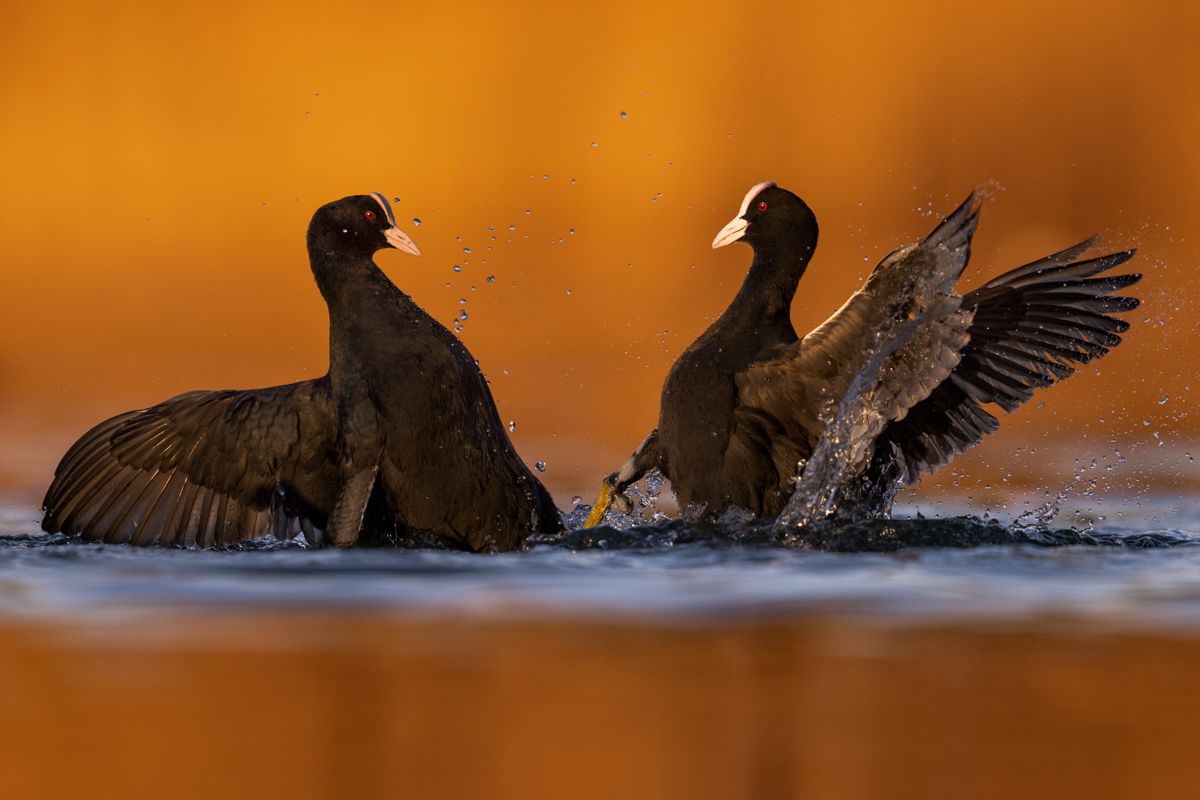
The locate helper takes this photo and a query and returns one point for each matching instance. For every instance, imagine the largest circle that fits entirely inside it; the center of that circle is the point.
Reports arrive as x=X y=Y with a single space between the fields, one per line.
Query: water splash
x=840 y=454
x=1039 y=518
x=922 y=305
x=637 y=506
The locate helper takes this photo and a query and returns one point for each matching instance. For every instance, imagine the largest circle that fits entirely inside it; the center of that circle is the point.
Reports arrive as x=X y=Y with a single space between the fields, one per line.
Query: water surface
x=672 y=661
x=1144 y=572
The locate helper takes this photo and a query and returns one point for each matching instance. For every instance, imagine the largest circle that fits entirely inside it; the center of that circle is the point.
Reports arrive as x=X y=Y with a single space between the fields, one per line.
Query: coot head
x=362 y=224
x=770 y=216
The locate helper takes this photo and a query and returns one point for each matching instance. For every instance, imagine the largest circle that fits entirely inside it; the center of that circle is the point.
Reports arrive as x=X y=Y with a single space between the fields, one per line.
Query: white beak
x=399 y=240
x=735 y=230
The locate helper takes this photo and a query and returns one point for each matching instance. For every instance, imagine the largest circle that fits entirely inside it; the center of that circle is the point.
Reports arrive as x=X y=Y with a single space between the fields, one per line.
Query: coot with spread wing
x=399 y=441
x=744 y=407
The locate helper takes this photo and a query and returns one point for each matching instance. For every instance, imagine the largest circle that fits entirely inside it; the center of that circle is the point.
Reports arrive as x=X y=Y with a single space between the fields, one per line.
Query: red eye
x=762 y=205
x=370 y=215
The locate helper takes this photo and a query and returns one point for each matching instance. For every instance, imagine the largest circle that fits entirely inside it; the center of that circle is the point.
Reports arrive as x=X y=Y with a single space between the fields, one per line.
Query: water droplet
x=624 y=115
x=512 y=426
x=417 y=221
x=545 y=177
x=595 y=144
x=1163 y=400
x=467 y=250
x=463 y=315
x=571 y=231
x=458 y=267
x=576 y=500
x=540 y=466
x=529 y=212
x=396 y=200
x=491 y=228
x=572 y=181
x=462 y=301
x=512 y=227
x=570 y=292
x=491 y=279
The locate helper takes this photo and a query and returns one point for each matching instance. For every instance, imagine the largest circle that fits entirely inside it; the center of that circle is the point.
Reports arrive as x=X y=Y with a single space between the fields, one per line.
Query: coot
x=399 y=442
x=744 y=407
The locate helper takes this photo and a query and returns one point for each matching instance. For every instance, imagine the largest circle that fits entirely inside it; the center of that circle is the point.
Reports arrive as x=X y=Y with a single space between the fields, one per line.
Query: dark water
x=953 y=657
x=1142 y=572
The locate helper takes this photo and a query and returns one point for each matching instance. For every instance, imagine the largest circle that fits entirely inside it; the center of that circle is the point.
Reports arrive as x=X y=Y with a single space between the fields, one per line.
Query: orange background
x=161 y=161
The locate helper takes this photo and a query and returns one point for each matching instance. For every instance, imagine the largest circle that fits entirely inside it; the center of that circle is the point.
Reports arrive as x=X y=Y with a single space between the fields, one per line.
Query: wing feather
x=204 y=468
x=947 y=357
x=1033 y=326
x=908 y=310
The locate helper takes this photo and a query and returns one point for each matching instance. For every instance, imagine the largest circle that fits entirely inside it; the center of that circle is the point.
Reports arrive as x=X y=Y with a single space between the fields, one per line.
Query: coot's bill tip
x=735 y=230
x=399 y=240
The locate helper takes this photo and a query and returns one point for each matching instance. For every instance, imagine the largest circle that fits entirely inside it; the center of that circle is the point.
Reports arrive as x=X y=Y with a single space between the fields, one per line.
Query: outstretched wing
x=906 y=324
x=1031 y=327
x=204 y=469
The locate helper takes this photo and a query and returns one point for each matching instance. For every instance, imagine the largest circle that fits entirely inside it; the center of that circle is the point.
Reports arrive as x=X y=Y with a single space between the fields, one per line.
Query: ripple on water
x=903 y=570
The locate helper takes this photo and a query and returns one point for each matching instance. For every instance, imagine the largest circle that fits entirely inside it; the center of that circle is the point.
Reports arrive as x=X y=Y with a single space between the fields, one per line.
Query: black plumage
x=745 y=406
x=399 y=441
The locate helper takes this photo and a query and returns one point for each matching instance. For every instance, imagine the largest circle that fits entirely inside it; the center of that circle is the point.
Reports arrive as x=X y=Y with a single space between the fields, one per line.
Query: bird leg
x=612 y=488
x=345 y=523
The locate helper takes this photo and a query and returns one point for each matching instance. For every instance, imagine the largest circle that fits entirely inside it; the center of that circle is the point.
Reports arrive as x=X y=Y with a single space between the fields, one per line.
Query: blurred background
x=160 y=163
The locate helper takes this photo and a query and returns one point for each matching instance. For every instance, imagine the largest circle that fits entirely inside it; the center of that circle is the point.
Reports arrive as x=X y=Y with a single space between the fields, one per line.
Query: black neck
x=778 y=265
x=334 y=268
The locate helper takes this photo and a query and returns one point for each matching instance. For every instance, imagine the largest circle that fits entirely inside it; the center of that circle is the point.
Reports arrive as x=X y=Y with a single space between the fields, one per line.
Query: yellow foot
x=601 y=508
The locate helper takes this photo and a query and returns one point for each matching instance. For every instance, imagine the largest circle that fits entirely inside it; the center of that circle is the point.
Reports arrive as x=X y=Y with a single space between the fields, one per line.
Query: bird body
x=896 y=379
x=400 y=440
x=704 y=440
x=443 y=454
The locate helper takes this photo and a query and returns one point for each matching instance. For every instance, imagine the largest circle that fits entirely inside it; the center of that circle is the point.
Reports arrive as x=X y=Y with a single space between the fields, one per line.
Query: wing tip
x=956 y=230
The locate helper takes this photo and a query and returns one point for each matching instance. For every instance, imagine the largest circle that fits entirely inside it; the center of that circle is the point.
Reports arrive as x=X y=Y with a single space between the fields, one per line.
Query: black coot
x=400 y=441
x=744 y=407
